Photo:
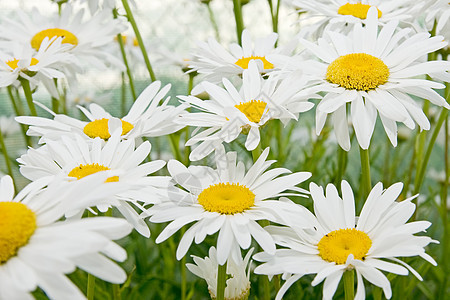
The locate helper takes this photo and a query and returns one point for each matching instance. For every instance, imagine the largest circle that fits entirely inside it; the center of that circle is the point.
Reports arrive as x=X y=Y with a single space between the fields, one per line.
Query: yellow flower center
x=337 y=245
x=357 y=10
x=358 y=71
x=99 y=128
x=13 y=63
x=244 y=61
x=17 y=225
x=253 y=109
x=67 y=37
x=85 y=170
x=226 y=198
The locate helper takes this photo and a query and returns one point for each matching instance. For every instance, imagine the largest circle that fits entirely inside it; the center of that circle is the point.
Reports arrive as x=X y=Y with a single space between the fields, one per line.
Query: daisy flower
x=213 y=60
x=230 y=112
x=374 y=72
x=237 y=285
x=226 y=200
x=145 y=118
x=42 y=66
x=86 y=37
x=341 y=242
x=36 y=249
x=337 y=14
x=74 y=158
x=437 y=11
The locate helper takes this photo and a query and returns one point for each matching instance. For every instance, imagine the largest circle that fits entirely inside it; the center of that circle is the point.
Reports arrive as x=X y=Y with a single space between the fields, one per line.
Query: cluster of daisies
x=360 y=60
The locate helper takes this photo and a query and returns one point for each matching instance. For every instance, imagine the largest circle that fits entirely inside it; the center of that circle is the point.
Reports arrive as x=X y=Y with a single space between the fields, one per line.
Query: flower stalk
x=221 y=281
x=349 y=285
x=237 y=8
x=139 y=38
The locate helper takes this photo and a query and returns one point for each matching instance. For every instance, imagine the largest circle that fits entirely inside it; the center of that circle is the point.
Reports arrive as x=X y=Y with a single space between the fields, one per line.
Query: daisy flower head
x=230 y=112
x=42 y=66
x=237 y=285
x=375 y=72
x=227 y=200
x=37 y=250
x=86 y=36
x=341 y=242
x=338 y=14
x=75 y=158
x=215 y=62
x=147 y=117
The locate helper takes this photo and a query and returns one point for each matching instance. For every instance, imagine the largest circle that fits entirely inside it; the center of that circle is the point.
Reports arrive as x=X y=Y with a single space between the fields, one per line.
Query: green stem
x=116 y=292
x=221 y=282
x=183 y=271
x=6 y=156
x=342 y=165
x=174 y=140
x=139 y=38
x=443 y=288
x=213 y=21
x=28 y=95
x=91 y=287
x=423 y=167
x=123 y=103
x=18 y=109
x=349 y=284
x=274 y=14
x=365 y=169
x=237 y=8
x=125 y=60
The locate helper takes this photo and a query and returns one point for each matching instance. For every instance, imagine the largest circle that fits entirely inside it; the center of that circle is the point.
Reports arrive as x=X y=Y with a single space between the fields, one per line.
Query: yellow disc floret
x=337 y=245
x=357 y=10
x=85 y=170
x=13 y=64
x=244 y=61
x=358 y=71
x=226 y=198
x=253 y=109
x=99 y=128
x=17 y=225
x=67 y=37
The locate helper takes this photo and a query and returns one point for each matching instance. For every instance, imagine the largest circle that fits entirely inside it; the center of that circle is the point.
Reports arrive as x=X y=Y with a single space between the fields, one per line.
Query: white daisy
x=213 y=60
x=74 y=158
x=45 y=65
x=145 y=118
x=230 y=112
x=338 y=14
x=87 y=37
x=374 y=72
x=226 y=200
x=437 y=11
x=341 y=242
x=36 y=249
x=237 y=285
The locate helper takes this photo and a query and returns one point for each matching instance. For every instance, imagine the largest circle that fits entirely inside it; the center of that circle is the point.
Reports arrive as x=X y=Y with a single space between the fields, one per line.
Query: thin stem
x=365 y=169
x=423 y=167
x=183 y=271
x=18 y=109
x=349 y=284
x=213 y=21
x=342 y=165
x=239 y=20
x=174 y=140
x=274 y=14
x=6 y=156
x=139 y=38
x=123 y=99
x=125 y=60
x=444 y=213
x=116 y=292
x=91 y=287
x=221 y=282
x=28 y=95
